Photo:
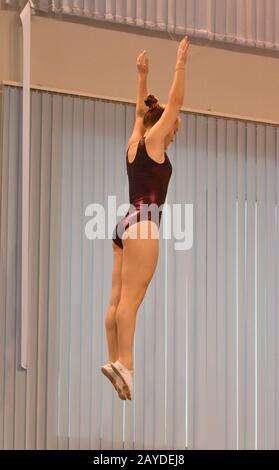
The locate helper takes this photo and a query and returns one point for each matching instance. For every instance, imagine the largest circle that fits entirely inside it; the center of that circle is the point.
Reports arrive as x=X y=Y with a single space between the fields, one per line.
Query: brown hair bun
x=154 y=113
x=151 y=102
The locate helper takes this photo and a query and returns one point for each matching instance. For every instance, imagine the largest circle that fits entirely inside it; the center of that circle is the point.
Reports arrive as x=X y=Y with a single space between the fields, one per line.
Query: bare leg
x=126 y=323
x=110 y=318
x=140 y=258
x=111 y=333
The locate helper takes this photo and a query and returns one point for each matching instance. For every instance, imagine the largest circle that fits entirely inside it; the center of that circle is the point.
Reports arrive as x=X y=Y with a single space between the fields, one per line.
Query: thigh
x=116 y=274
x=140 y=257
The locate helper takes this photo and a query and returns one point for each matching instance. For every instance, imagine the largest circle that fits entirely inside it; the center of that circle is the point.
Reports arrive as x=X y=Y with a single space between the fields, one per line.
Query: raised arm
x=141 y=108
x=176 y=96
x=143 y=69
x=177 y=89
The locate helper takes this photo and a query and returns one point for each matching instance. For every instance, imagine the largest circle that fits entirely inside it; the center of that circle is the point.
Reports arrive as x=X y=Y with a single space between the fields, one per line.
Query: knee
x=129 y=304
x=114 y=299
x=124 y=309
x=110 y=319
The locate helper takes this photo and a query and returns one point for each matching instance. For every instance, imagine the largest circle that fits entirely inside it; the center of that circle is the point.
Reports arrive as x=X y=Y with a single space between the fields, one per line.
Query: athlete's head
x=153 y=115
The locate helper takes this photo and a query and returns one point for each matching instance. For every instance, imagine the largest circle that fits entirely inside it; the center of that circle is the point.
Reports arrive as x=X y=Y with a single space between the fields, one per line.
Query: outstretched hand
x=183 y=50
x=143 y=63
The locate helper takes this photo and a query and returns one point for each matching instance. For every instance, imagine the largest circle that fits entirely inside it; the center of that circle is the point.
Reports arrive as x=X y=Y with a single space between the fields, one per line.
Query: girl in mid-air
x=135 y=256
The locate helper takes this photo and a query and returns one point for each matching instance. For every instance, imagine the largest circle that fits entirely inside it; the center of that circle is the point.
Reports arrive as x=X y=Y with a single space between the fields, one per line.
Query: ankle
x=127 y=364
x=112 y=359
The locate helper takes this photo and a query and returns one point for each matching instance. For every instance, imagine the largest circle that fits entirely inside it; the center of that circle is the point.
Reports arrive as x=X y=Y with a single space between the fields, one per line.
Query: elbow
x=175 y=98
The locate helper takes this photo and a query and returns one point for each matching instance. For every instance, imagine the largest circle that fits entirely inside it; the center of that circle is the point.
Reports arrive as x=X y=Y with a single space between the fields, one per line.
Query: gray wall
x=207 y=335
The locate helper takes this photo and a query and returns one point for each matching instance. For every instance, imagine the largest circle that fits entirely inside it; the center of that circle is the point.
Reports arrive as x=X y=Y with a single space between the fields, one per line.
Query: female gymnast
x=135 y=257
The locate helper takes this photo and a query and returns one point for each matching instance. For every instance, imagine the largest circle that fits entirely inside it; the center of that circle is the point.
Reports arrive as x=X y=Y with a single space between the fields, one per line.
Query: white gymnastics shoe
x=126 y=377
x=115 y=380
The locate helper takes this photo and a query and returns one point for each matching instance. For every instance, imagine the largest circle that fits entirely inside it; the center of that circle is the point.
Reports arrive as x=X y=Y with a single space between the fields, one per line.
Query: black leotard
x=148 y=184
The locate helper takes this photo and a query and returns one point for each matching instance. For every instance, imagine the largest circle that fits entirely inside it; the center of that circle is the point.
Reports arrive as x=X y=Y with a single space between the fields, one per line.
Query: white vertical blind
x=244 y=22
x=207 y=337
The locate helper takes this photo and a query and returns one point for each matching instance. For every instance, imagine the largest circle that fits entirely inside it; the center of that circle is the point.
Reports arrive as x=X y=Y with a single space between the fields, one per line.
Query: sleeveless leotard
x=148 y=184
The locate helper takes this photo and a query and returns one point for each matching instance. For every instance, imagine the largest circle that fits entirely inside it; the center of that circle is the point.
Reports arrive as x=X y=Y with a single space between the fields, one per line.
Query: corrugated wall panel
x=244 y=22
x=207 y=331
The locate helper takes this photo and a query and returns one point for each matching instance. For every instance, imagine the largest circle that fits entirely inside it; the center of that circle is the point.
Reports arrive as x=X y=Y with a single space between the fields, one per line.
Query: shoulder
x=132 y=145
x=155 y=149
x=132 y=150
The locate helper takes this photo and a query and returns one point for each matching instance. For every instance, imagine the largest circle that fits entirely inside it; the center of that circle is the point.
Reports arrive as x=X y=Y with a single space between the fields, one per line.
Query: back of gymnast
x=136 y=256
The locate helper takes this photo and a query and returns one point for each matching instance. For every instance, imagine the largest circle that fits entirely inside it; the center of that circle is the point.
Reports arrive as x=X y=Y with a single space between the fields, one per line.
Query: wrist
x=180 y=65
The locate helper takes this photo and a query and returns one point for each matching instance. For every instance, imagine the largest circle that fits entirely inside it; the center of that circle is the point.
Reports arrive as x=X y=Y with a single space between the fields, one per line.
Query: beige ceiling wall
x=102 y=62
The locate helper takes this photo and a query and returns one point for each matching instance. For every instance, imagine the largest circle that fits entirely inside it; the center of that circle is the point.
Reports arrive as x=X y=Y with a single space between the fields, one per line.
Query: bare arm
x=141 y=107
x=177 y=89
x=143 y=70
x=176 y=97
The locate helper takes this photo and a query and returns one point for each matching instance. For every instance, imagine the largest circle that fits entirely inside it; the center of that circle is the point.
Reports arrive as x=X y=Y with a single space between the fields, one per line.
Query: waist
x=145 y=212
x=151 y=200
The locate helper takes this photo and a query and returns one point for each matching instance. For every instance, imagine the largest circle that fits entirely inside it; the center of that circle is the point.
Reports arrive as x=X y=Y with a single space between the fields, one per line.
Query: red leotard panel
x=148 y=184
